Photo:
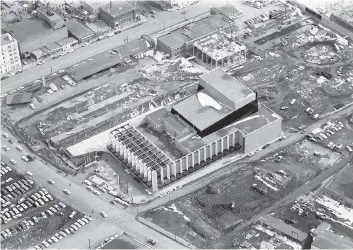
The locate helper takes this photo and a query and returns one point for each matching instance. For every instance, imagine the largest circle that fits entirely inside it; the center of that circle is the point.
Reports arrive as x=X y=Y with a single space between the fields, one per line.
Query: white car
x=72 y=214
x=67 y=192
x=32 y=106
x=13 y=161
x=25 y=158
x=51 y=181
x=6 y=148
x=87 y=182
x=148 y=191
x=104 y=214
x=96 y=192
x=5 y=135
x=29 y=173
x=19 y=148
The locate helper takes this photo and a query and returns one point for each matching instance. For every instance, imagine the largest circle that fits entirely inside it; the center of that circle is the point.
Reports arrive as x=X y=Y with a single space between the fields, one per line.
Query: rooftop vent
x=50 y=12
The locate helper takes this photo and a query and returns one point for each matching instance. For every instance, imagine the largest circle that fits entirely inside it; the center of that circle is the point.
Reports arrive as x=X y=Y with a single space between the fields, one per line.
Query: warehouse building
x=79 y=31
x=222 y=117
x=34 y=33
x=227 y=10
x=107 y=60
x=281 y=228
x=325 y=238
x=10 y=55
x=180 y=41
x=118 y=14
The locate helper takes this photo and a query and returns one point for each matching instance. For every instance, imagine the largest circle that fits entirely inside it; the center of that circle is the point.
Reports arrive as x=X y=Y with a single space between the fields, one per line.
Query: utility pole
x=89 y=243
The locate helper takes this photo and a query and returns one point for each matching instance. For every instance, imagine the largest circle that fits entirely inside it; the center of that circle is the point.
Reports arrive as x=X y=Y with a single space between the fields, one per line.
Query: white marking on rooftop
x=206 y=100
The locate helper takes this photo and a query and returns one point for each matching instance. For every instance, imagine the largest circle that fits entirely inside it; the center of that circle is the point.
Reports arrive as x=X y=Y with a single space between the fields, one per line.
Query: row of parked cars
x=15 y=211
x=4 y=169
x=14 y=190
x=63 y=233
x=330 y=130
x=26 y=224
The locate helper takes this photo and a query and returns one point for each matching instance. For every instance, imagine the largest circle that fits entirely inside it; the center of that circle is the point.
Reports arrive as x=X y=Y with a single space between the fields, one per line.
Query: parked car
x=67 y=192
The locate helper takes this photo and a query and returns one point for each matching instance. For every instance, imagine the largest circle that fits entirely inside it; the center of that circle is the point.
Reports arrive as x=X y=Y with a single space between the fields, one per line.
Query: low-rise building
x=53 y=19
x=79 y=31
x=284 y=229
x=10 y=55
x=180 y=41
x=34 y=33
x=13 y=7
x=119 y=14
x=324 y=238
x=93 y=7
x=227 y=10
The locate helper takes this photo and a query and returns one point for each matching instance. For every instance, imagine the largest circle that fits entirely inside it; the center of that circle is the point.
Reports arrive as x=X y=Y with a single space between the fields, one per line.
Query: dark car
x=152 y=242
x=289 y=221
x=324 y=74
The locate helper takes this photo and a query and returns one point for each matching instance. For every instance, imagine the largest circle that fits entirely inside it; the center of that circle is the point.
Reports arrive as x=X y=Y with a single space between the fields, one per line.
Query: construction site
x=267 y=103
x=220 y=50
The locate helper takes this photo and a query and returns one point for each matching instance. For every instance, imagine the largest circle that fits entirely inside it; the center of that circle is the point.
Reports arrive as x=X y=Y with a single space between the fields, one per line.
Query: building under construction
x=219 y=50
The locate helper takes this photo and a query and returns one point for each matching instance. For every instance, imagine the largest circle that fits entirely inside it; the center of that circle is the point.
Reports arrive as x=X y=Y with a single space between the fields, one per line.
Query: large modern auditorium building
x=223 y=117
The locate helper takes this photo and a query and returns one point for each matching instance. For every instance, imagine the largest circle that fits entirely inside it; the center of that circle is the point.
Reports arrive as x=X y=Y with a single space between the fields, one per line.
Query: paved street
x=163 y=20
x=119 y=219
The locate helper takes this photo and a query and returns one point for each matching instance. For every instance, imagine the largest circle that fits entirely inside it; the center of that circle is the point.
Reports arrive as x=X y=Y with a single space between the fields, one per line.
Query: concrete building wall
x=55 y=21
x=10 y=55
x=262 y=136
x=204 y=153
x=229 y=102
x=120 y=21
x=38 y=42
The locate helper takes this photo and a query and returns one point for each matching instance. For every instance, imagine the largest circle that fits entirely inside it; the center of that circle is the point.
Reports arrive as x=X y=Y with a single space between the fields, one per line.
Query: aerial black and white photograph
x=176 y=124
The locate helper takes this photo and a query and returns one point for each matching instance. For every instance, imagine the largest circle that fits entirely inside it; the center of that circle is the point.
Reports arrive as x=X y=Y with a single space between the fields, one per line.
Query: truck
x=259 y=188
x=53 y=87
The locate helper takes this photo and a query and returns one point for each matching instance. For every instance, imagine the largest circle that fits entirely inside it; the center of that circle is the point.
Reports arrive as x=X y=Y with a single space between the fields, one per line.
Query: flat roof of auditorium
x=200 y=116
x=230 y=87
x=247 y=125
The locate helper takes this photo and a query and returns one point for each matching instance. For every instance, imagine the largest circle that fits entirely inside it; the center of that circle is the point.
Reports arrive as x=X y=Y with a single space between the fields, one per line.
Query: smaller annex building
x=224 y=116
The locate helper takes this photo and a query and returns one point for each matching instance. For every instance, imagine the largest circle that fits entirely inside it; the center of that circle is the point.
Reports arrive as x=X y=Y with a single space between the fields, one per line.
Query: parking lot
x=30 y=215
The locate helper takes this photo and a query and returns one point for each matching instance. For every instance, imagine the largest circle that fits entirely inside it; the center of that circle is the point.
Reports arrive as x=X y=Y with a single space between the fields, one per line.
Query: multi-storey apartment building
x=10 y=55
